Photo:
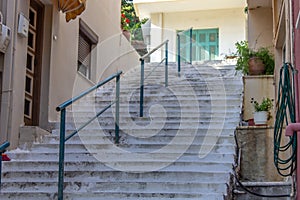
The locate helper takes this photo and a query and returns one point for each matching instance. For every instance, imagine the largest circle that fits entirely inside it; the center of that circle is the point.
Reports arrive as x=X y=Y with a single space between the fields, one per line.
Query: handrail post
x=117 y=126
x=142 y=87
x=166 y=65
x=61 y=154
x=191 y=46
x=178 y=53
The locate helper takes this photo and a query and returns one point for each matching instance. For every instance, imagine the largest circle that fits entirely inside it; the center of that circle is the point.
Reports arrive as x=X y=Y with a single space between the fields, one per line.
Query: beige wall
x=103 y=17
x=12 y=105
x=60 y=80
x=282 y=36
x=231 y=24
x=260 y=26
x=257 y=87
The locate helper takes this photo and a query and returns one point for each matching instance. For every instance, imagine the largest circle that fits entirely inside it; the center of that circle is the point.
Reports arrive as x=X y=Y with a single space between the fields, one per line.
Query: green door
x=205 y=45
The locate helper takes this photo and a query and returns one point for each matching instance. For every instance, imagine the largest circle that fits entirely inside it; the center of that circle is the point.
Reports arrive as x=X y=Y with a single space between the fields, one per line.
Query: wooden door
x=205 y=44
x=33 y=64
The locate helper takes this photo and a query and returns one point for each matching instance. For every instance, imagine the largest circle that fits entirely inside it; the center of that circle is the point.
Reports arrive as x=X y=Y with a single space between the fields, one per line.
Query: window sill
x=85 y=78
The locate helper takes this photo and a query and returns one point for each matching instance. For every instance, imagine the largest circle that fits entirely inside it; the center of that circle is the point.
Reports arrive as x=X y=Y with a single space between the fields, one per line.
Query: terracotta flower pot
x=256 y=66
x=127 y=34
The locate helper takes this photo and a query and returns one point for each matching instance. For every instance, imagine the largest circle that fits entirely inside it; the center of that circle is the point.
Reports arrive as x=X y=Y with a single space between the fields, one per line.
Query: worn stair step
x=94 y=129
x=85 y=156
x=134 y=166
x=110 y=196
x=95 y=148
x=175 y=188
x=204 y=108
x=203 y=112
x=116 y=176
x=92 y=138
x=167 y=127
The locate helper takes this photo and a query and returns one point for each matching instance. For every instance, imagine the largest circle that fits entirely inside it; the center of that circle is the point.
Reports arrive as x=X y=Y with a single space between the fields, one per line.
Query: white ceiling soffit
x=146 y=7
x=259 y=3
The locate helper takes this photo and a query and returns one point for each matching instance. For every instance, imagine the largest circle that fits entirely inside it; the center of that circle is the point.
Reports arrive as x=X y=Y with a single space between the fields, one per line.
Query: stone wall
x=256 y=143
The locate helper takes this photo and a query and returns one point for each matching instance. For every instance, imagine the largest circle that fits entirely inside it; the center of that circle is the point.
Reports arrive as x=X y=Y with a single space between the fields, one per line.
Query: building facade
x=284 y=39
x=53 y=60
x=217 y=25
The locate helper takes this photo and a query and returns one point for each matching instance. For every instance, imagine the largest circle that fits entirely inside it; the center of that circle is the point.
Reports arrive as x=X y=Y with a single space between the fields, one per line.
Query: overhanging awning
x=72 y=8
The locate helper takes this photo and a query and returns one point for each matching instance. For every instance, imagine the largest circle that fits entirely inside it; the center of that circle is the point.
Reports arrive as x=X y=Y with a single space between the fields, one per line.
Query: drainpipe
x=289 y=131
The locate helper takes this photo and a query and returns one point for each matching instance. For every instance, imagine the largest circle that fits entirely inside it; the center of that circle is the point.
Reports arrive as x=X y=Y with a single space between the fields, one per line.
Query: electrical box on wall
x=23 y=25
x=5 y=36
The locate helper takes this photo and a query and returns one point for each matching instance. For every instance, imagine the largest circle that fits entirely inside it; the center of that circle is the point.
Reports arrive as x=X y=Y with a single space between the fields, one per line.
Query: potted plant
x=254 y=62
x=262 y=111
x=130 y=22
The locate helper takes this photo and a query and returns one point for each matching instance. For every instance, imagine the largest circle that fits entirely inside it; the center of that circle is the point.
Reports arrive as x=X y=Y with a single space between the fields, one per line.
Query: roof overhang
x=145 y=7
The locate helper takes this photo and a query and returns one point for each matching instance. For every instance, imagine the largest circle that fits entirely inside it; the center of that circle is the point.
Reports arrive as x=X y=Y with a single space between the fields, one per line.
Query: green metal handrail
x=62 y=109
x=3 y=148
x=142 y=59
x=179 y=48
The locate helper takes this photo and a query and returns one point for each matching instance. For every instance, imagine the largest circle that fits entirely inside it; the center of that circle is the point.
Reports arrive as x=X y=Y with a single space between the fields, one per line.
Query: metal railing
x=3 y=148
x=142 y=59
x=63 y=139
x=179 y=47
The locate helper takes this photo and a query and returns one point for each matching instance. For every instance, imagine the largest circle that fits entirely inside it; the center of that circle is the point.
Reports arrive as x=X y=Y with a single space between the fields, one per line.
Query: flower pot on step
x=127 y=34
x=260 y=118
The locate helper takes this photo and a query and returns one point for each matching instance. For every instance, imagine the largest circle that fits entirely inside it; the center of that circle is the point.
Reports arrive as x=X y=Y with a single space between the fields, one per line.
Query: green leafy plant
x=130 y=21
x=265 y=105
x=244 y=53
x=267 y=58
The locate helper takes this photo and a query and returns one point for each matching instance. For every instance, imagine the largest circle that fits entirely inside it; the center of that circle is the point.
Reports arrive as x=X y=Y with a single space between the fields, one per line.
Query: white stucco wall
x=230 y=22
x=59 y=64
x=260 y=25
x=112 y=53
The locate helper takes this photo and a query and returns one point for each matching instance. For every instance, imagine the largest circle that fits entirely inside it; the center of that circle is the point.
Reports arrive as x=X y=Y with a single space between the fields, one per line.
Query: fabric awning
x=72 y=8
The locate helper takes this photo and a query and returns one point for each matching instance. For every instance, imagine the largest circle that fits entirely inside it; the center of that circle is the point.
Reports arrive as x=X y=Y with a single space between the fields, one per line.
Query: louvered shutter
x=84 y=51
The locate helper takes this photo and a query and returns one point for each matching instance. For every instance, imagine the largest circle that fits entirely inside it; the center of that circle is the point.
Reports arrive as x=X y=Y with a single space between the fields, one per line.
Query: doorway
x=205 y=44
x=34 y=64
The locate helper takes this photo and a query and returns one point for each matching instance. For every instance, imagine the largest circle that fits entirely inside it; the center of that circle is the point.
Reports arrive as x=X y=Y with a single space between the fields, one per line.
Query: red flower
x=123 y=15
x=127 y=20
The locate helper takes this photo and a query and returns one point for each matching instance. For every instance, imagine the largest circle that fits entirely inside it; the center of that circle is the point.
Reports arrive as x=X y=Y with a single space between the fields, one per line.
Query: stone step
x=159 y=122
x=99 y=186
x=77 y=195
x=36 y=156
x=135 y=148
x=162 y=139
x=134 y=165
x=117 y=176
x=168 y=100
x=156 y=127
x=213 y=131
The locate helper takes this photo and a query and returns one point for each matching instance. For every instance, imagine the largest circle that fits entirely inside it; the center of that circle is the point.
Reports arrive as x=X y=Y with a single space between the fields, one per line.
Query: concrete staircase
x=183 y=147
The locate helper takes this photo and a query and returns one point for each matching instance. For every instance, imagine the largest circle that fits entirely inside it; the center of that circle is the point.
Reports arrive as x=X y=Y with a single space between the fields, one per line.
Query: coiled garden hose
x=285 y=113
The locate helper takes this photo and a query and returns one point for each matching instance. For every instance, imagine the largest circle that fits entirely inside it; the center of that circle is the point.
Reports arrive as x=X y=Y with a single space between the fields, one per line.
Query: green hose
x=285 y=113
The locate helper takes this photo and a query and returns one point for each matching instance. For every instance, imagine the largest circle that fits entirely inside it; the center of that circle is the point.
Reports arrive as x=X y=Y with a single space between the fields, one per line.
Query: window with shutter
x=87 y=40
